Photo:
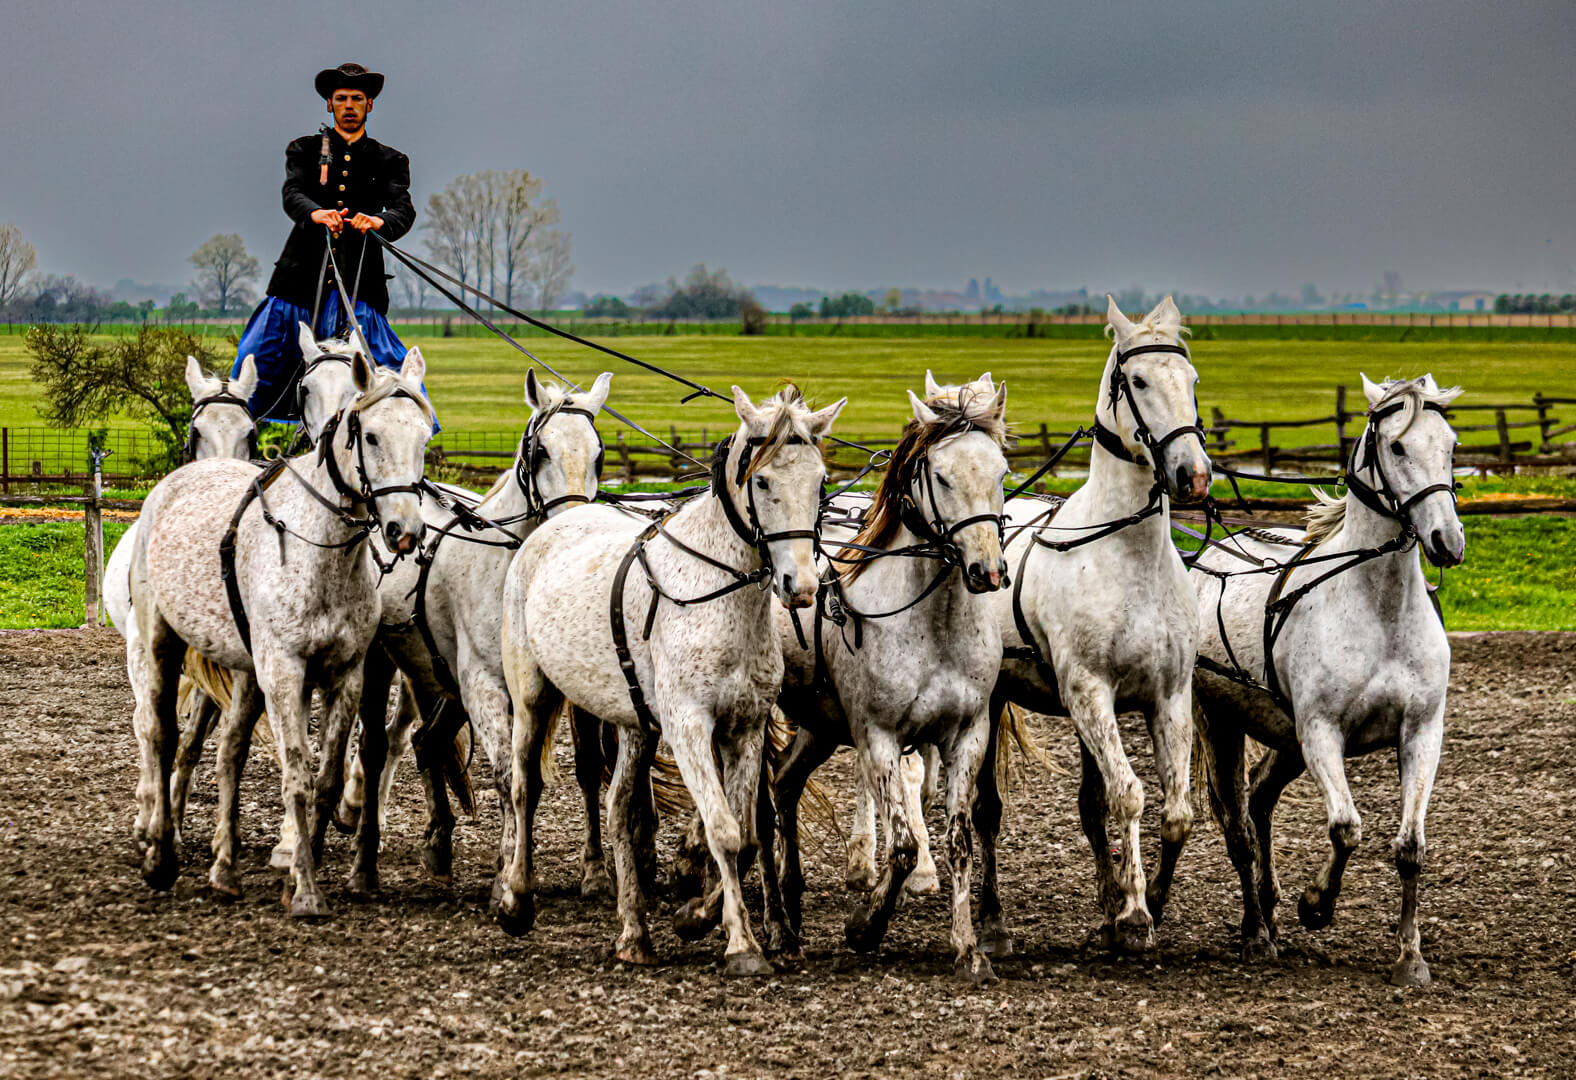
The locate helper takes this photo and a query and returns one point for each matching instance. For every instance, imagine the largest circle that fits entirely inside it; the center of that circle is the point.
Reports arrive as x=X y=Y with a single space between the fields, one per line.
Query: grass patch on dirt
x=41 y=573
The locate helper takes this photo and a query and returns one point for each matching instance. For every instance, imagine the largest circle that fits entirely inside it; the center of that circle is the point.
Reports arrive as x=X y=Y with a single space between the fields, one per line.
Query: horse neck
x=330 y=527
x=1363 y=528
x=508 y=500
x=703 y=525
x=1116 y=489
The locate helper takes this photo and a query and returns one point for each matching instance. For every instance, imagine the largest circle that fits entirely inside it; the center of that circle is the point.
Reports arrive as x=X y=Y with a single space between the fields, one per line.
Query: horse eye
x=1139 y=384
x=942 y=480
x=761 y=484
x=1397 y=449
x=372 y=440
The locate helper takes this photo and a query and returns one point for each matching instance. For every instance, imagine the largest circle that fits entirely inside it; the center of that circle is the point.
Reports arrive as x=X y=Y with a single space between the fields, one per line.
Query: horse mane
x=1324 y=518
x=385 y=384
x=958 y=410
x=789 y=422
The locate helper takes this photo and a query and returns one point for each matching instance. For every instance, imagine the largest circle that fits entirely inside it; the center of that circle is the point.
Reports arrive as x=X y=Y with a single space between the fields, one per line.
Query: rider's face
x=350 y=109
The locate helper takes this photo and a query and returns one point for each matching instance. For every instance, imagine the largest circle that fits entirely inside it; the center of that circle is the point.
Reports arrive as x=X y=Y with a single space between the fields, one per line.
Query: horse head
x=221 y=425
x=773 y=477
x=380 y=447
x=327 y=385
x=559 y=461
x=1408 y=452
x=950 y=467
x=1149 y=398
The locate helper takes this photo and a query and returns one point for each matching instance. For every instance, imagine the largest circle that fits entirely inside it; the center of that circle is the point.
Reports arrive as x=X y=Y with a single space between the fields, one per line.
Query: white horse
x=667 y=630
x=1357 y=660
x=221 y=426
x=442 y=623
x=290 y=603
x=905 y=650
x=1103 y=599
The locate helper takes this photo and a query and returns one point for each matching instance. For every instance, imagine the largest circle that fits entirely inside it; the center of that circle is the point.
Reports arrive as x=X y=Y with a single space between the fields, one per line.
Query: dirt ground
x=98 y=976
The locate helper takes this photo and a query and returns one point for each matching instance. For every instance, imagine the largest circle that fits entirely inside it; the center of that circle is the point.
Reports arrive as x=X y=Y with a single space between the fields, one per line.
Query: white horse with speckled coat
x=309 y=596
x=1361 y=661
x=710 y=671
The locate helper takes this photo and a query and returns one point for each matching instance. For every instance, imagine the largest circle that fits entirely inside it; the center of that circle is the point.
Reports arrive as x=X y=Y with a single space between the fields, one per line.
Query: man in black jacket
x=340 y=184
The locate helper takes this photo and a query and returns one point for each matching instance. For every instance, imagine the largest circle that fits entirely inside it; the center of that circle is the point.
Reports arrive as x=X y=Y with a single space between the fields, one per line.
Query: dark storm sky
x=1223 y=148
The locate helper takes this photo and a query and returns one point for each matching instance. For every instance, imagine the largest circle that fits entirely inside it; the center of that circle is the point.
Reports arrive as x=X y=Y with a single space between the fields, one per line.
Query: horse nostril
x=976 y=570
x=1184 y=484
x=393 y=531
x=787 y=584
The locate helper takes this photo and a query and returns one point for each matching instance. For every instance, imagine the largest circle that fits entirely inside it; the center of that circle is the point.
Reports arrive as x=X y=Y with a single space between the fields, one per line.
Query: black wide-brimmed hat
x=348 y=77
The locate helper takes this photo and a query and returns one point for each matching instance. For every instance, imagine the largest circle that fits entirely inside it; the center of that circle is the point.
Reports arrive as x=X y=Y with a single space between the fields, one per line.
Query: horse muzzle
x=985 y=576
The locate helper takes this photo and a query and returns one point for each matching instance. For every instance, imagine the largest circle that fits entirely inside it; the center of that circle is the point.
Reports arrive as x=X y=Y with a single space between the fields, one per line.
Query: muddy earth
x=101 y=977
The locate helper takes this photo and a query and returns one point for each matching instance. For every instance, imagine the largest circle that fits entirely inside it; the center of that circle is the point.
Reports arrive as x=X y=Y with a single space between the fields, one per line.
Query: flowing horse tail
x=1015 y=735
x=199 y=675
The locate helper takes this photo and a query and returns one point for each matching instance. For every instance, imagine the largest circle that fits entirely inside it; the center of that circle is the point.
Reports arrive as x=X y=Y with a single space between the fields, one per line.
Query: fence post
x=93 y=541
x=1267 y=450
x=1217 y=421
x=1340 y=424
x=1045 y=447
x=623 y=459
x=5 y=460
x=1504 y=436
x=1545 y=424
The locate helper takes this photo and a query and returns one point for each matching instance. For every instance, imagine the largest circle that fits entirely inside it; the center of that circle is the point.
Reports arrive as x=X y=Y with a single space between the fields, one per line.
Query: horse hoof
x=862 y=933
x=495 y=898
x=1313 y=913
x=638 y=953
x=1412 y=971
x=596 y=885
x=224 y=882
x=438 y=862
x=1155 y=901
x=362 y=884
x=783 y=947
x=921 y=883
x=1258 y=950
x=861 y=880
x=308 y=906
x=516 y=912
x=1133 y=934
x=1102 y=939
x=690 y=922
x=746 y=965
x=975 y=969
x=995 y=942
x=282 y=857
x=346 y=819
x=159 y=866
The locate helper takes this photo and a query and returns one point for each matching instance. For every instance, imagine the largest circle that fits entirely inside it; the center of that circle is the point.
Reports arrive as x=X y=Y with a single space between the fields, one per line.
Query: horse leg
x=1109 y=785
x=144 y=717
x=161 y=730
x=283 y=855
x=881 y=770
x=441 y=718
x=347 y=815
x=782 y=944
x=994 y=938
x=289 y=702
x=1171 y=731
x=922 y=881
x=643 y=827
x=1221 y=751
x=487 y=703
x=1274 y=771
x=965 y=755
x=595 y=883
x=725 y=803
x=533 y=716
x=860 y=875
x=636 y=747
x=698 y=916
x=235 y=743
x=378 y=674
x=803 y=757
x=1324 y=749
x=339 y=713
x=407 y=717
x=1418 y=756
x=204 y=712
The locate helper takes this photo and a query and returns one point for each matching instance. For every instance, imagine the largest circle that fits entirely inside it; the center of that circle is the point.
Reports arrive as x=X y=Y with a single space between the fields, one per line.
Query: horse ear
x=1120 y=324
x=310 y=349
x=594 y=398
x=1372 y=391
x=922 y=412
x=533 y=390
x=821 y=419
x=360 y=343
x=988 y=382
x=195 y=379
x=932 y=387
x=244 y=385
x=361 y=372
x=1167 y=317
x=999 y=406
x=415 y=366
x=1428 y=384
x=744 y=407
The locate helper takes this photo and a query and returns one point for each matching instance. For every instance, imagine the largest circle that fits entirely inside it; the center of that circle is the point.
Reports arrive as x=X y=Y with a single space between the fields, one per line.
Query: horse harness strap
x=232 y=584
x=223 y=397
x=626 y=659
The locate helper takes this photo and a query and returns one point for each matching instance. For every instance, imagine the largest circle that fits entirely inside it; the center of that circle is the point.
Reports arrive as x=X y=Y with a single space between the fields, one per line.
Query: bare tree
x=448 y=225
x=484 y=226
x=224 y=269
x=413 y=288
x=551 y=268
x=17 y=260
x=523 y=215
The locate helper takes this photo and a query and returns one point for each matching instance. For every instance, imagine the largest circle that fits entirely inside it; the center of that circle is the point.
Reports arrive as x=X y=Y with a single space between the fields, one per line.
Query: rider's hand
x=363 y=222
x=331 y=218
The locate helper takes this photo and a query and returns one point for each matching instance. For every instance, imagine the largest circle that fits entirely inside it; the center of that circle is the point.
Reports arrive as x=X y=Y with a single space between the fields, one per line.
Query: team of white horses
x=912 y=618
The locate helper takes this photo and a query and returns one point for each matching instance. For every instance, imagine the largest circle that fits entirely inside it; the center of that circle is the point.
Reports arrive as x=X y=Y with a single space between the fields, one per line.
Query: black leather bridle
x=752 y=533
x=223 y=397
x=1383 y=500
x=532 y=455
x=365 y=492
x=1121 y=387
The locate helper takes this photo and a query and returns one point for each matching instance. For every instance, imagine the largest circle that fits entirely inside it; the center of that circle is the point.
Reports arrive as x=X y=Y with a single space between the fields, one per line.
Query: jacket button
x=341 y=187
x=344 y=172
x=341 y=203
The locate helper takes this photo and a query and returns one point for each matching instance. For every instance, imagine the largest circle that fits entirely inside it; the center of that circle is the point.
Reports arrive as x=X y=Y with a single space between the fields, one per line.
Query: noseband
x=366 y=493
x=532 y=455
x=932 y=527
x=1382 y=499
x=1121 y=387
x=223 y=397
